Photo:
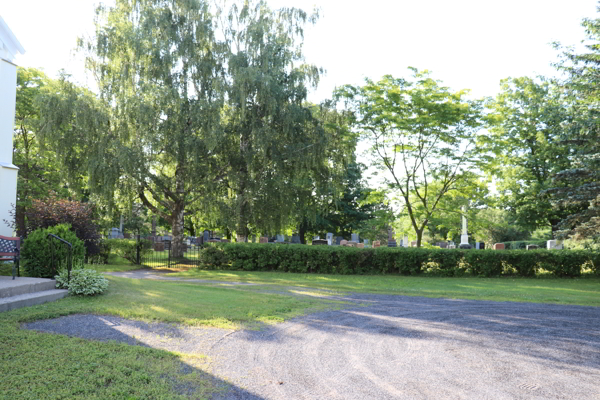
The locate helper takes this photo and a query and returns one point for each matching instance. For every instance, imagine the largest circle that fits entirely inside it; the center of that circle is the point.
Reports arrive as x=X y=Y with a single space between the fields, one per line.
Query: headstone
x=159 y=247
x=554 y=245
x=392 y=243
x=280 y=239
x=465 y=246
x=360 y=245
x=532 y=247
x=413 y=243
x=390 y=234
x=296 y=239
x=329 y=238
x=167 y=237
x=481 y=246
x=354 y=238
x=499 y=246
x=366 y=241
x=225 y=240
x=343 y=242
x=443 y=245
x=319 y=242
x=464 y=237
x=263 y=239
x=242 y=238
x=206 y=236
x=338 y=240
x=405 y=241
x=451 y=246
x=114 y=233
x=376 y=243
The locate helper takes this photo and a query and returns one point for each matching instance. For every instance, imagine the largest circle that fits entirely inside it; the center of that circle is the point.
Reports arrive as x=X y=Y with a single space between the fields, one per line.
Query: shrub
x=84 y=282
x=127 y=248
x=54 y=211
x=37 y=253
x=411 y=261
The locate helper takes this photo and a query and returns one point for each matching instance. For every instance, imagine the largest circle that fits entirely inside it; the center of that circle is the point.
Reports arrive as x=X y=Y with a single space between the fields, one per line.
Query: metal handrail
x=69 y=259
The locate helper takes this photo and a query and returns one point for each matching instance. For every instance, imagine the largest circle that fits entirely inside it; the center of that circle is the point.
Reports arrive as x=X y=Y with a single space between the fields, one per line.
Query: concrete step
x=31 y=299
x=10 y=288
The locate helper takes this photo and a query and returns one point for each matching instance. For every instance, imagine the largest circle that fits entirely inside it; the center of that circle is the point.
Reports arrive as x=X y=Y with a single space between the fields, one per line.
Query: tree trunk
x=20 y=221
x=419 y=233
x=177 y=230
x=302 y=230
x=177 y=222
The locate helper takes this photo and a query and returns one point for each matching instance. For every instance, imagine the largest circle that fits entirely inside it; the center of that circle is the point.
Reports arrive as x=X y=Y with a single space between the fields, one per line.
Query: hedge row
x=408 y=261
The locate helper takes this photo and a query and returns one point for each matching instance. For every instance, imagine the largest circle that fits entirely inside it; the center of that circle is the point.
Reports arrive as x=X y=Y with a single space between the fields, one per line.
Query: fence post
x=137 y=258
x=169 y=259
x=69 y=264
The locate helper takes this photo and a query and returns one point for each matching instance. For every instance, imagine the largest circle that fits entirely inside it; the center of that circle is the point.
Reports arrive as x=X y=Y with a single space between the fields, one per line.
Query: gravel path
x=388 y=347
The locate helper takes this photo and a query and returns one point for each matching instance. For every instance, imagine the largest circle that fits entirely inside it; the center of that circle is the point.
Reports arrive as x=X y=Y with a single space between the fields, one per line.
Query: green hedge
x=406 y=261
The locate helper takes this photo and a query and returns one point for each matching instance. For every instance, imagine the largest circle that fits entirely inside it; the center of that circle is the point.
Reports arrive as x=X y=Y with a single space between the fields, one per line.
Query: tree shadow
x=566 y=336
x=160 y=336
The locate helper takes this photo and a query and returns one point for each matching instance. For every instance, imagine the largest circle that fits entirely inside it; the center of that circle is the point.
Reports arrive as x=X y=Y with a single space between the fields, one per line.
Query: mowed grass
x=47 y=366
x=582 y=291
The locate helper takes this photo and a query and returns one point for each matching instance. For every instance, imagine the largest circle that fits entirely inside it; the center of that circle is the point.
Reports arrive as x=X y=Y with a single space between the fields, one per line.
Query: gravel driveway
x=388 y=347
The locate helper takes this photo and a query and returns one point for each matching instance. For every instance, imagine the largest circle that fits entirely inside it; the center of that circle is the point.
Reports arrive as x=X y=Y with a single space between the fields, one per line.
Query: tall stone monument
x=464 y=237
x=9 y=48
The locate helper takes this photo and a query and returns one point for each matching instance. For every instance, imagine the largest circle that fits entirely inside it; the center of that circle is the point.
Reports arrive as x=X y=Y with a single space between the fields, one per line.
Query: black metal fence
x=161 y=256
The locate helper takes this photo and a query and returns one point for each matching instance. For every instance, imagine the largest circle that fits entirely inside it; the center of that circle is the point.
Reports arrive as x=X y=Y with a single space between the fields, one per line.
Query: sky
x=467 y=44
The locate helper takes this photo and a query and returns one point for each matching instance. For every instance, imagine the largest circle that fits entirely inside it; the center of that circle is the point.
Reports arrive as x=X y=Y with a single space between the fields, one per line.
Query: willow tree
x=272 y=137
x=156 y=63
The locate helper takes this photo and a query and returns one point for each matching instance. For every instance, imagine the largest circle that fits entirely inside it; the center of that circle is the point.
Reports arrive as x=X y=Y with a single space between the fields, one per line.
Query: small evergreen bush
x=84 y=282
x=36 y=252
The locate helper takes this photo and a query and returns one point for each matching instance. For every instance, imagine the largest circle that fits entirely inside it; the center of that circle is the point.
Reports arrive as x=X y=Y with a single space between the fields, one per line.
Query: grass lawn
x=45 y=366
x=582 y=291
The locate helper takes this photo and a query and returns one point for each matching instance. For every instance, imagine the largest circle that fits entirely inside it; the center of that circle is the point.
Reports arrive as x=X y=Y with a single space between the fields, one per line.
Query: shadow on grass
x=160 y=336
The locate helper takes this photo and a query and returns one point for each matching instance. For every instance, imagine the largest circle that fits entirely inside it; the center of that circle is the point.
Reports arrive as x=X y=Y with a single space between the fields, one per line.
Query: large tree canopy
x=526 y=122
x=579 y=185
x=419 y=132
x=157 y=67
x=274 y=140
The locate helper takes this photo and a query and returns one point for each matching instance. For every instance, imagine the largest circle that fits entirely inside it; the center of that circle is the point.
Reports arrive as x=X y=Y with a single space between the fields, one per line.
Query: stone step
x=31 y=299
x=10 y=288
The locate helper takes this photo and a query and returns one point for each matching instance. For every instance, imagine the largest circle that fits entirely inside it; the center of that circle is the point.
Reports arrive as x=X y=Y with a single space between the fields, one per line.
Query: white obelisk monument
x=464 y=237
x=9 y=48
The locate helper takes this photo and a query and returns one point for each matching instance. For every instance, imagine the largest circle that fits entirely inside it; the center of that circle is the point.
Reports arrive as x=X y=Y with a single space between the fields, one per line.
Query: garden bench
x=10 y=248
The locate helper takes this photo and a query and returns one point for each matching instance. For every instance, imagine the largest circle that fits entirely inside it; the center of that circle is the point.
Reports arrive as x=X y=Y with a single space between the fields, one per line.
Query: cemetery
x=181 y=217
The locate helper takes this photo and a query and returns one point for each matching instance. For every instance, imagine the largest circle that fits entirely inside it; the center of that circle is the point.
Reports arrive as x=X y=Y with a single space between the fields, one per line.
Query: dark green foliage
x=411 y=261
x=127 y=248
x=37 y=254
x=79 y=216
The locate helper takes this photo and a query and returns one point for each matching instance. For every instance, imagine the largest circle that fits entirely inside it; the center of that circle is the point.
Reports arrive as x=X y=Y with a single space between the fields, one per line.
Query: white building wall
x=9 y=48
